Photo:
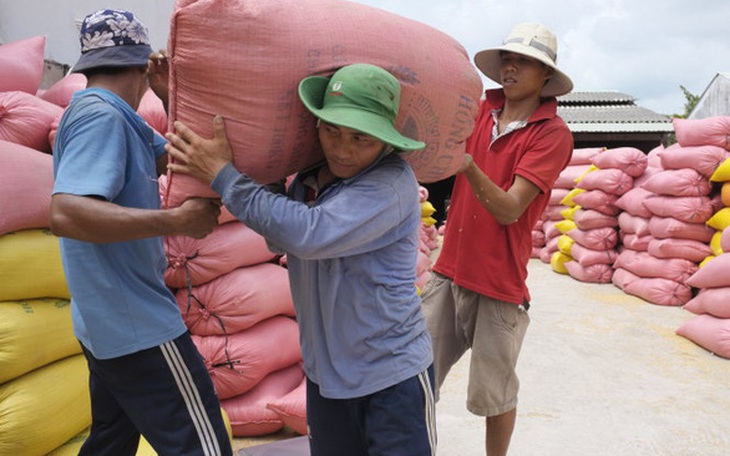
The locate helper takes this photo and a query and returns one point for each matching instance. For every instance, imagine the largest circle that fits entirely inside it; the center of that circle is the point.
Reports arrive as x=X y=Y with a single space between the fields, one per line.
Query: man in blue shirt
x=145 y=374
x=349 y=228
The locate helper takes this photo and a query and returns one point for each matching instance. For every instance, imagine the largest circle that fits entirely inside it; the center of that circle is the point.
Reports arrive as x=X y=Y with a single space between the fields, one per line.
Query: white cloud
x=646 y=48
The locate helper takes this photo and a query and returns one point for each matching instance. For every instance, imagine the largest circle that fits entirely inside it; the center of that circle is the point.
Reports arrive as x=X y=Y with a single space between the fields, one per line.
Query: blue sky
x=644 y=48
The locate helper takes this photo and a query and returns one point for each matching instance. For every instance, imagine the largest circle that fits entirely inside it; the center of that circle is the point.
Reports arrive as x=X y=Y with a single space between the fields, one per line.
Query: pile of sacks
x=670 y=211
x=43 y=374
x=710 y=328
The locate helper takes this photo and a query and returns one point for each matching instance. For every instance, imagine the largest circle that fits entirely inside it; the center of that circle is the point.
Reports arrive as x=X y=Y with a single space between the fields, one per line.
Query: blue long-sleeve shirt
x=352 y=267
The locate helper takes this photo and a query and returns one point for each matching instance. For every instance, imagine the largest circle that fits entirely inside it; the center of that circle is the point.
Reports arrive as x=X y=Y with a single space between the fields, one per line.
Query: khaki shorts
x=458 y=320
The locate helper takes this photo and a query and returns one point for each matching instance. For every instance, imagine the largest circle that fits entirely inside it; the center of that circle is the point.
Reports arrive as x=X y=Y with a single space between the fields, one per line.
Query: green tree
x=690 y=101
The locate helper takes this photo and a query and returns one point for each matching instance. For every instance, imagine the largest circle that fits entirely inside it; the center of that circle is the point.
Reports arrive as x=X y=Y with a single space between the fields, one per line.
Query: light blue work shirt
x=119 y=301
x=352 y=267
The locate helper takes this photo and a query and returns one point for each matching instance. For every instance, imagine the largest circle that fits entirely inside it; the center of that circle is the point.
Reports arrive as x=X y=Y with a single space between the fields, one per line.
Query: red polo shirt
x=478 y=253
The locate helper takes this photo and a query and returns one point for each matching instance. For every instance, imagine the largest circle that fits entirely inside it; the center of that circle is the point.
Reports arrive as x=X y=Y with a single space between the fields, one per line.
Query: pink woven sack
x=588 y=219
x=633 y=242
x=670 y=227
x=243 y=59
x=61 y=92
x=237 y=300
x=596 y=273
x=621 y=278
x=26 y=119
x=630 y=160
x=690 y=209
x=702 y=158
x=713 y=274
x=713 y=301
x=249 y=413
x=588 y=257
x=197 y=261
x=613 y=181
x=660 y=291
x=292 y=408
x=596 y=239
x=584 y=156
x=598 y=200
x=645 y=265
x=699 y=132
x=237 y=362
x=153 y=111
x=633 y=202
x=567 y=177
x=708 y=332
x=687 y=249
x=725 y=240
x=26 y=184
x=678 y=182
x=633 y=224
x=21 y=65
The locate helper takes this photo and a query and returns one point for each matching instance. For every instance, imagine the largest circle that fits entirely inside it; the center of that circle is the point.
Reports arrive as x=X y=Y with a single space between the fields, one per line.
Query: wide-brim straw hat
x=532 y=40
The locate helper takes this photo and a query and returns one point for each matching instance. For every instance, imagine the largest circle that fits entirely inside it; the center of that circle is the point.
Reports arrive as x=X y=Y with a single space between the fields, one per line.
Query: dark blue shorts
x=397 y=421
x=165 y=393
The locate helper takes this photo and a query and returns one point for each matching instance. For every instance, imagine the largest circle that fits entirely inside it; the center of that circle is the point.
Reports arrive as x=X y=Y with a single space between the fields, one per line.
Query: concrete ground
x=603 y=374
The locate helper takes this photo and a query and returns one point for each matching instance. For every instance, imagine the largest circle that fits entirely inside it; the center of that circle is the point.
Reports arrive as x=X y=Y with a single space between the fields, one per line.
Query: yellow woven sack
x=34 y=333
x=720 y=220
x=725 y=193
x=722 y=172
x=715 y=244
x=568 y=199
x=565 y=243
x=565 y=225
x=44 y=408
x=427 y=209
x=30 y=266
x=568 y=212
x=558 y=260
x=589 y=170
x=707 y=259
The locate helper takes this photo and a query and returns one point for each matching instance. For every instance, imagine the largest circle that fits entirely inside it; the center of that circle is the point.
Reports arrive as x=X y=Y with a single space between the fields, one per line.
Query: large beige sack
x=244 y=60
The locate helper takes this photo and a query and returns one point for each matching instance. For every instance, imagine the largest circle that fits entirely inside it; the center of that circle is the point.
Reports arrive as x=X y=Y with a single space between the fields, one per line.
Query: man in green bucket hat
x=349 y=227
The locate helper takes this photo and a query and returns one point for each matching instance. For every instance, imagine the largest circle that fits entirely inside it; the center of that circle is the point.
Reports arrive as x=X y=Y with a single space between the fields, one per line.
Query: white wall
x=715 y=101
x=56 y=19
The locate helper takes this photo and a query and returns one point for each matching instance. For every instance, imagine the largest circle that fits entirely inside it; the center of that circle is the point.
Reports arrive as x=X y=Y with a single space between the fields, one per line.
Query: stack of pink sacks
x=711 y=327
x=43 y=375
x=553 y=222
x=677 y=198
x=597 y=219
x=235 y=298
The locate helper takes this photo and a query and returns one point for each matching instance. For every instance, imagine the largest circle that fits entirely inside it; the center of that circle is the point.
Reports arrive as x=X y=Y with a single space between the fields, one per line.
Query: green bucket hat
x=359 y=96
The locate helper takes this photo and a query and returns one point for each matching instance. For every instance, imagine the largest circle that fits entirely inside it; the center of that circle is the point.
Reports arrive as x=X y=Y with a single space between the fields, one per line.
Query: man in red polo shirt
x=477 y=298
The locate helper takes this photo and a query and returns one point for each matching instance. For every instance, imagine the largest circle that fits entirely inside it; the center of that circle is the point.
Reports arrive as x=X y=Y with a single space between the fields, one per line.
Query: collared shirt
x=509 y=128
x=352 y=267
x=478 y=253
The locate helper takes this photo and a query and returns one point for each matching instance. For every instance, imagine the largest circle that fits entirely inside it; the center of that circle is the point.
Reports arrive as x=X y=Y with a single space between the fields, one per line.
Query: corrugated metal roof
x=621 y=118
x=596 y=98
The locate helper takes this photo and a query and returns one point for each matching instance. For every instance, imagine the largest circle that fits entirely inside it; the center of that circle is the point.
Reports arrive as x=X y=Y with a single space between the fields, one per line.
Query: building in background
x=715 y=100
x=612 y=119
